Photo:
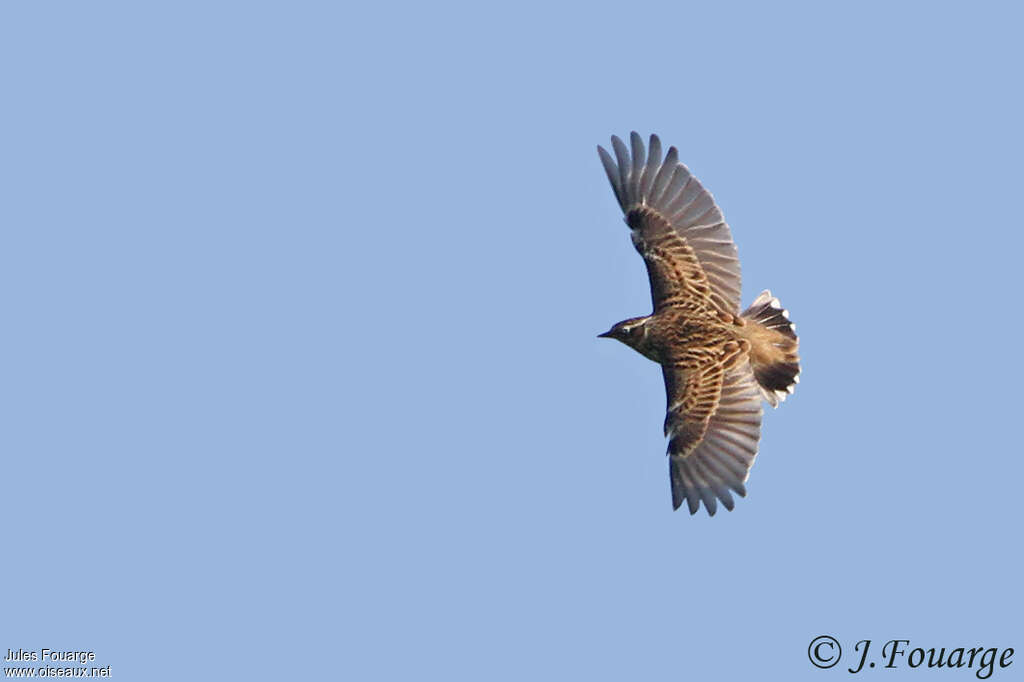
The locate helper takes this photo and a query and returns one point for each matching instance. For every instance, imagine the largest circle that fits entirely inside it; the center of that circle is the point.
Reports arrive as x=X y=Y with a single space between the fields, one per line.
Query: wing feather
x=665 y=174
x=639 y=163
x=668 y=195
x=675 y=190
x=653 y=165
x=613 y=175
x=622 y=157
x=721 y=460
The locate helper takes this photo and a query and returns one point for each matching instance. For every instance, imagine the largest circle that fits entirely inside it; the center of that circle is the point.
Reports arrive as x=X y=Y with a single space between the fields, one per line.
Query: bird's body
x=672 y=333
x=717 y=363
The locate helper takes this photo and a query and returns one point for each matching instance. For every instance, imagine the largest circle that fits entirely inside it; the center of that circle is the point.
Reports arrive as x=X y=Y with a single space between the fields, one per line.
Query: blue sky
x=300 y=372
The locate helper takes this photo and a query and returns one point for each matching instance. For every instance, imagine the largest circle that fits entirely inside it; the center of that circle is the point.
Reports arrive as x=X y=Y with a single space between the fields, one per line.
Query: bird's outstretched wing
x=676 y=226
x=714 y=424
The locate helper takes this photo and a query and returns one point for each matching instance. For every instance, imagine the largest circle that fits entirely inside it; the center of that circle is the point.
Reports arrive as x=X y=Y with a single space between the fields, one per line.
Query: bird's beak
x=606 y=335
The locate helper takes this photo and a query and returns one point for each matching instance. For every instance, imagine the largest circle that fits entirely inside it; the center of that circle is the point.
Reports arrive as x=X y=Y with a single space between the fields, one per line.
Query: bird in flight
x=718 y=364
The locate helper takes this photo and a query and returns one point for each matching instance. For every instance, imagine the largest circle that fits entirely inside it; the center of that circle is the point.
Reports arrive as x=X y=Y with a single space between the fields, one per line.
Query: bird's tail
x=773 y=347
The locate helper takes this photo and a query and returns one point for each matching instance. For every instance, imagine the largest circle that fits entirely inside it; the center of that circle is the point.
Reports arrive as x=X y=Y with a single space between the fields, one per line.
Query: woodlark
x=718 y=364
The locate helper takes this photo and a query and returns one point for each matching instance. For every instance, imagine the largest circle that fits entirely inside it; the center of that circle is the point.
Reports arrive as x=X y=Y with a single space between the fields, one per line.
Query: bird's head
x=630 y=332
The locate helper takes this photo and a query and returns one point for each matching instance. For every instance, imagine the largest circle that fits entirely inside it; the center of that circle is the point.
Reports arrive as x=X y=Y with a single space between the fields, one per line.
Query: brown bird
x=718 y=364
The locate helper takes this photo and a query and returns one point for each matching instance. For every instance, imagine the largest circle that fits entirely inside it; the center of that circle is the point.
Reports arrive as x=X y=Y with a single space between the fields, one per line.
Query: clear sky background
x=300 y=377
